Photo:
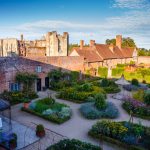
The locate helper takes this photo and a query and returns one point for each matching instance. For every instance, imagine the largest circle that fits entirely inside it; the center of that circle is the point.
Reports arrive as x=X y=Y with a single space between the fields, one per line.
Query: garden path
x=77 y=127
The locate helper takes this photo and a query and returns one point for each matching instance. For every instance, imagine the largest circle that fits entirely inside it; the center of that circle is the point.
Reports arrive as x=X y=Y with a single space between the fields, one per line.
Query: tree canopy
x=126 y=42
x=143 y=52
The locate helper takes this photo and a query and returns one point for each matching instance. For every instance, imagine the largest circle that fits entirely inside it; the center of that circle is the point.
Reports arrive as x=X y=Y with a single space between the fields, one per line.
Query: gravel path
x=77 y=127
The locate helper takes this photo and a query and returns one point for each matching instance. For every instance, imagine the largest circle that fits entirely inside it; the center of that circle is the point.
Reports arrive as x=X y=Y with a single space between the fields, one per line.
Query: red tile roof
x=88 y=53
x=100 y=52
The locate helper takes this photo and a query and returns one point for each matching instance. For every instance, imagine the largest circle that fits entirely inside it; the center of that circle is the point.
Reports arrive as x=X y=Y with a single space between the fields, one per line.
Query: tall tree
x=126 y=42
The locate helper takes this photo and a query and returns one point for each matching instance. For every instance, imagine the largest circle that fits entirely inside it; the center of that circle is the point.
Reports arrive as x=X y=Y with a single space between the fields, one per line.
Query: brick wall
x=144 y=59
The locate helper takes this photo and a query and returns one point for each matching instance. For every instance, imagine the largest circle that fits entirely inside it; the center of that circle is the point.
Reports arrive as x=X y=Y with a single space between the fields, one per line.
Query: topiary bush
x=100 y=101
x=135 y=82
x=104 y=82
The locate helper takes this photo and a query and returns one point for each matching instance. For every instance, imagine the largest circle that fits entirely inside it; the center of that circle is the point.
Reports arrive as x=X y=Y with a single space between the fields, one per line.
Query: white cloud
x=134 y=23
x=136 y=4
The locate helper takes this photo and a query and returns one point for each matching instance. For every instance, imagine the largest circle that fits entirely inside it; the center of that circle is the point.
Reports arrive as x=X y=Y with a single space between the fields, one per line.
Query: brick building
x=96 y=55
x=10 y=66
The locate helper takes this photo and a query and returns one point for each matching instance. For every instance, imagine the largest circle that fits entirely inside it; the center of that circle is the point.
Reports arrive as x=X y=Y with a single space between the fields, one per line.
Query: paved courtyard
x=77 y=127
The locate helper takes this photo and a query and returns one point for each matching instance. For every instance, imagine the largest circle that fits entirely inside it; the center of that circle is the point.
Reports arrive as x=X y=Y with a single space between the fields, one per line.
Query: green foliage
x=100 y=101
x=139 y=95
x=74 y=75
x=104 y=82
x=135 y=82
x=27 y=79
x=124 y=134
x=73 y=145
x=147 y=97
x=143 y=52
x=40 y=128
x=50 y=110
x=118 y=71
x=16 y=97
x=108 y=85
x=103 y=72
x=74 y=95
x=126 y=42
x=55 y=75
x=86 y=87
x=144 y=72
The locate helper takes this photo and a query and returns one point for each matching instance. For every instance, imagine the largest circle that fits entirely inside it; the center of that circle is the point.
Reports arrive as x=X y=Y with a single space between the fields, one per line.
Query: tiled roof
x=100 y=52
x=88 y=53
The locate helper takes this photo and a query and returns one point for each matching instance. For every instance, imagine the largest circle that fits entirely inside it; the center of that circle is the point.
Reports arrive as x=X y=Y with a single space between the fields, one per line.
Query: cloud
x=134 y=23
x=132 y=4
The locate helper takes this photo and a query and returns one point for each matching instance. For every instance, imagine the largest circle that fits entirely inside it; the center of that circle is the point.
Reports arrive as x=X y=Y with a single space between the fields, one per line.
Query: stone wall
x=8 y=47
x=144 y=59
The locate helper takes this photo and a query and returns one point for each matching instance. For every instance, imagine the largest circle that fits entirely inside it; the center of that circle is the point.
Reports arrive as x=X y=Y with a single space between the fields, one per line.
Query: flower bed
x=17 y=96
x=130 y=136
x=79 y=94
x=137 y=108
x=73 y=145
x=99 y=108
x=50 y=110
x=109 y=86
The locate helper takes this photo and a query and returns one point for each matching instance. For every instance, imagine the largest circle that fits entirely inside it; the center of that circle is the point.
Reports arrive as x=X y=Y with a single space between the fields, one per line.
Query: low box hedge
x=49 y=118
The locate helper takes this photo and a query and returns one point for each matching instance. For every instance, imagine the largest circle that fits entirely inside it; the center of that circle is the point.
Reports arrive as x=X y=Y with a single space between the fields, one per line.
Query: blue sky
x=83 y=19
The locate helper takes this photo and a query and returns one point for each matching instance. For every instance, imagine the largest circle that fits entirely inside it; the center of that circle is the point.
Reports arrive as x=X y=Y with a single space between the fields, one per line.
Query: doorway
x=46 y=82
x=38 y=84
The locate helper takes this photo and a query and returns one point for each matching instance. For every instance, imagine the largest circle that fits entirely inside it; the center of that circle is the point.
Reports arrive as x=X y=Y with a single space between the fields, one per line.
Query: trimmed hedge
x=73 y=144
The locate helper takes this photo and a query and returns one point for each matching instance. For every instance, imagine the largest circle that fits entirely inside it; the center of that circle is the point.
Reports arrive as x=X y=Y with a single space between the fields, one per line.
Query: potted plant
x=26 y=102
x=40 y=131
x=13 y=142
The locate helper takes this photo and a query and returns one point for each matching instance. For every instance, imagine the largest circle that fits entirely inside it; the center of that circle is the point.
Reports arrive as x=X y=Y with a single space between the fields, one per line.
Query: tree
x=126 y=42
x=143 y=52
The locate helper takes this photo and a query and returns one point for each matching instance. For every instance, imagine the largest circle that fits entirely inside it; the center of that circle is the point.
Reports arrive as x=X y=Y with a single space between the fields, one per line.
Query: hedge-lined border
x=115 y=141
x=58 y=121
x=135 y=115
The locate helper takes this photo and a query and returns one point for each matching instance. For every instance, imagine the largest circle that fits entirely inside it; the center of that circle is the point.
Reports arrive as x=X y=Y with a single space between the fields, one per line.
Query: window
x=38 y=69
x=14 y=87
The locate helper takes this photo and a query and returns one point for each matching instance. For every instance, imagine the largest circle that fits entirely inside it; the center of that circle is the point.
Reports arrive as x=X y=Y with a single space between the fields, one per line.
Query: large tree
x=143 y=52
x=126 y=42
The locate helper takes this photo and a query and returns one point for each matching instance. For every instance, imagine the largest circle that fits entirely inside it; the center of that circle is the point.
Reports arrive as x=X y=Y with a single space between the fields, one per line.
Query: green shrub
x=135 y=82
x=73 y=94
x=73 y=145
x=104 y=82
x=74 y=75
x=117 y=71
x=103 y=72
x=139 y=95
x=147 y=97
x=87 y=87
x=100 y=101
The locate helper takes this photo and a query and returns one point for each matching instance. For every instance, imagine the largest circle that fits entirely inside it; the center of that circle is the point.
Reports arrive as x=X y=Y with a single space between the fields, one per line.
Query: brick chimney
x=111 y=47
x=81 y=44
x=119 y=41
x=92 y=43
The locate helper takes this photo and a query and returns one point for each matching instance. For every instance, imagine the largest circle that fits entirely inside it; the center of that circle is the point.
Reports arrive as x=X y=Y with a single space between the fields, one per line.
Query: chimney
x=81 y=44
x=119 y=41
x=21 y=37
x=111 y=47
x=92 y=43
